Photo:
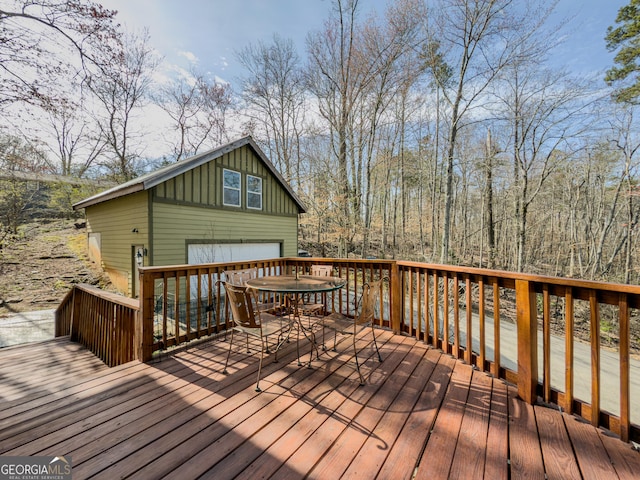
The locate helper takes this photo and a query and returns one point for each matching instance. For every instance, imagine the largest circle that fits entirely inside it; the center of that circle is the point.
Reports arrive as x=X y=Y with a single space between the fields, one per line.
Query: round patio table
x=294 y=286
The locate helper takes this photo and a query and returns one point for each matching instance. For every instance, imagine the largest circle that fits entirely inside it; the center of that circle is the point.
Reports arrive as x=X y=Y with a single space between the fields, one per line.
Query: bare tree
x=477 y=39
x=627 y=143
x=120 y=92
x=353 y=74
x=35 y=38
x=198 y=108
x=274 y=94
x=546 y=115
x=77 y=143
x=217 y=103
x=17 y=195
x=180 y=100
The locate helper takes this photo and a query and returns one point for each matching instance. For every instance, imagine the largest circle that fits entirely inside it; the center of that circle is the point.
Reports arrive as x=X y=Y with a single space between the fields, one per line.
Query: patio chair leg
x=313 y=345
x=228 y=355
x=298 y=346
x=355 y=352
x=375 y=343
x=260 y=366
x=324 y=346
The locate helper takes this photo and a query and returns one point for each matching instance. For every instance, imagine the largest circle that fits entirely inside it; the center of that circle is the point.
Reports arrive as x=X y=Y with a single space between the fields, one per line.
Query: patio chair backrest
x=241 y=304
x=370 y=295
x=321 y=270
x=240 y=277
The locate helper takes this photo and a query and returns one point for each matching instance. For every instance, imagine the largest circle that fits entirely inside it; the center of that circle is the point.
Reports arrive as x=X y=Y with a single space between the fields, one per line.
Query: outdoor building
x=227 y=204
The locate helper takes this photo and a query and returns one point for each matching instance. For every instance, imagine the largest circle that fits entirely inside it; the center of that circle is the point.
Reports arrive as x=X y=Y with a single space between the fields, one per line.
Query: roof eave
x=104 y=196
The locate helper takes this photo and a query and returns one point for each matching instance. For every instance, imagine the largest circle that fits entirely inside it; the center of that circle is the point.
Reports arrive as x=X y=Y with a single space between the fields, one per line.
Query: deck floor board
x=421 y=414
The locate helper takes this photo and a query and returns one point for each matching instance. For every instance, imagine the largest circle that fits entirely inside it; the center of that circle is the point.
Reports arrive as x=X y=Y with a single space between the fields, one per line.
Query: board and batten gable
x=115 y=222
x=188 y=209
x=202 y=186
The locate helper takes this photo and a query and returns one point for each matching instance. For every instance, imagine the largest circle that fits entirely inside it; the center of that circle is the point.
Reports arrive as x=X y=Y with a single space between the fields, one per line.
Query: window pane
x=254 y=184
x=254 y=200
x=254 y=192
x=231 y=197
x=231 y=188
x=231 y=179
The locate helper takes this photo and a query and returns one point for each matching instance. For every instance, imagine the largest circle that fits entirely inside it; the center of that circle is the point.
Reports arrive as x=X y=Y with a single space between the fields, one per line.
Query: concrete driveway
x=609 y=364
x=27 y=327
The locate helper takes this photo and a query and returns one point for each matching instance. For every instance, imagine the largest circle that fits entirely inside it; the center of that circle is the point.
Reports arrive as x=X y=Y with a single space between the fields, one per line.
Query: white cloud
x=190 y=56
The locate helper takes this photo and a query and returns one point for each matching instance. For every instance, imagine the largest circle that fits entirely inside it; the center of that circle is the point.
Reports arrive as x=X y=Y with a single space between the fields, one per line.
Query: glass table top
x=296 y=284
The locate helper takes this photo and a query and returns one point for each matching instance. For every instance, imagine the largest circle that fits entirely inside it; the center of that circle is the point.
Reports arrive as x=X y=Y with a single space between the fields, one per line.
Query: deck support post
x=527 y=321
x=144 y=322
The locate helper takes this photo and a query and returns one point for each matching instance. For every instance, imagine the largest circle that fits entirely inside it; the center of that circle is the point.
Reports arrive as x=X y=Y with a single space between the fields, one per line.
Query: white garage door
x=232 y=252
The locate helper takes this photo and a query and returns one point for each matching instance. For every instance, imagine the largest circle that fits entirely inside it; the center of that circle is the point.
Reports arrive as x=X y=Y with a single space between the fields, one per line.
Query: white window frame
x=225 y=188
x=250 y=192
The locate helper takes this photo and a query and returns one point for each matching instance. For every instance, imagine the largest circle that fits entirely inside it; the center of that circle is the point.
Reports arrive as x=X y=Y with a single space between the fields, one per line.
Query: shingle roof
x=150 y=180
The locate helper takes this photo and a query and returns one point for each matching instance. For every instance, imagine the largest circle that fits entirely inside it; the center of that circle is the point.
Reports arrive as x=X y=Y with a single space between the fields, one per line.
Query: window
x=254 y=192
x=230 y=188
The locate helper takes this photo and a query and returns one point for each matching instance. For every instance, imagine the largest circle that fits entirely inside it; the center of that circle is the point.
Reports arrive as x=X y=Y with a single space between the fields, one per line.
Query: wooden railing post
x=144 y=322
x=74 y=323
x=396 y=298
x=527 y=321
x=625 y=380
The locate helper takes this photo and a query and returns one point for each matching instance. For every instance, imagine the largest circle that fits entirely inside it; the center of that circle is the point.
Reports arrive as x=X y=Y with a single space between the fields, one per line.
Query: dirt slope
x=40 y=264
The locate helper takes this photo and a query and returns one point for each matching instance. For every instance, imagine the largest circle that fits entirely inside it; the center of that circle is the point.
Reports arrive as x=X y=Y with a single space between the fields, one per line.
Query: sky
x=207 y=33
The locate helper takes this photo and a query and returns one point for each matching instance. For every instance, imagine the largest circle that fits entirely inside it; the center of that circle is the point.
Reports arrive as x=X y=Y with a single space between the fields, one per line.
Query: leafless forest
x=440 y=131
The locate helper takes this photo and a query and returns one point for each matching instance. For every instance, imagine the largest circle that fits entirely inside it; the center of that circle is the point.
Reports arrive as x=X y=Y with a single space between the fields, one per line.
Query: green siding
x=202 y=186
x=175 y=225
x=188 y=209
x=115 y=220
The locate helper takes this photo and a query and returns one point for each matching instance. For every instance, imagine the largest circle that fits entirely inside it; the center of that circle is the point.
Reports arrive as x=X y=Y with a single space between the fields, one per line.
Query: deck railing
x=184 y=302
x=502 y=323
x=522 y=328
x=103 y=322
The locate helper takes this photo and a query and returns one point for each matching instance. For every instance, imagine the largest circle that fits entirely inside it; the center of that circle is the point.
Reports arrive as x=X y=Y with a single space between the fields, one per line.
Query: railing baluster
x=199 y=304
x=176 y=308
x=210 y=327
x=568 y=351
x=595 y=357
x=469 y=315
x=445 y=313
x=482 y=320
x=456 y=316
x=165 y=307
x=419 y=297
x=496 y=328
x=546 y=333
x=426 y=306
x=187 y=302
x=436 y=308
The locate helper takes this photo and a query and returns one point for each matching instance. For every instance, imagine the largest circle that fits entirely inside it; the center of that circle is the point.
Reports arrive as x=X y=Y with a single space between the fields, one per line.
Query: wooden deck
x=421 y=415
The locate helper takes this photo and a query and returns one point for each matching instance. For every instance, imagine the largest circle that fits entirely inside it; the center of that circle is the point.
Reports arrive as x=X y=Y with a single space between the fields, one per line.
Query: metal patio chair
x=240 y=277
x=309 y=307
x=341 y=324
x=253 y=323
